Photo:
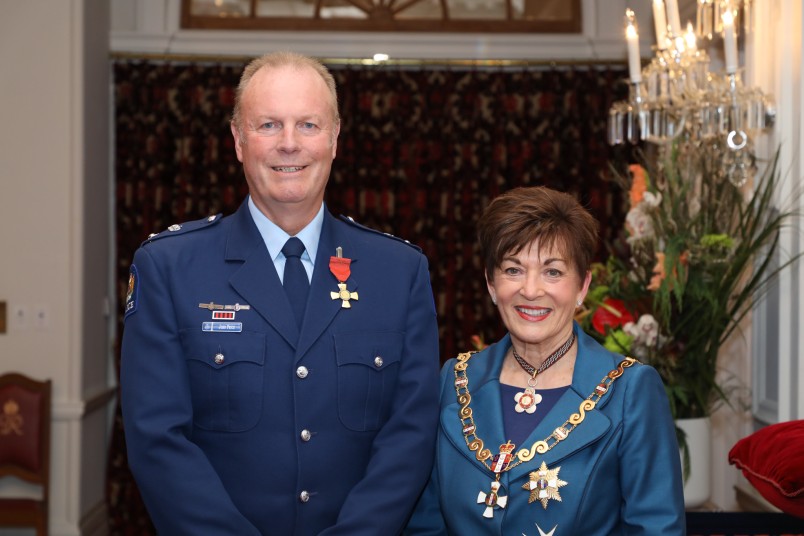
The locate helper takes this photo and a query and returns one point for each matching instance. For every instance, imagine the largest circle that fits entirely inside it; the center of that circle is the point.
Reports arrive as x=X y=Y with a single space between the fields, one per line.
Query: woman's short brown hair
x=520 y=216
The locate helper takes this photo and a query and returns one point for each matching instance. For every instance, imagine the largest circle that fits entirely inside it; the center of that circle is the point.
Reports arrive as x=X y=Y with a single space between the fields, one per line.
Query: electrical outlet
x=19 y=317
x=41 y=317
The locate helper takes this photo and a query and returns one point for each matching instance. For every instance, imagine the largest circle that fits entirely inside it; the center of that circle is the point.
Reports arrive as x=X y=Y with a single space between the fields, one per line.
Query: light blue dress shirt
x=275 y=238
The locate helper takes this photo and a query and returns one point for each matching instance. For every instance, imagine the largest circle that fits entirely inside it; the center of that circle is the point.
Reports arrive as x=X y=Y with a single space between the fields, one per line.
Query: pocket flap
x=376 y=350
x=219 y=350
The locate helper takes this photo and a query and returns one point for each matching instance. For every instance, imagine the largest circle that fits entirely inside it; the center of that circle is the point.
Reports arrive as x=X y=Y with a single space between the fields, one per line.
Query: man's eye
x=306 y=125
x=269 y=125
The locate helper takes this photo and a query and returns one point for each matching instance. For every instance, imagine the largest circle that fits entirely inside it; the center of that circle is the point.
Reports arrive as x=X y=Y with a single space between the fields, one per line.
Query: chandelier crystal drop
x=676 y=98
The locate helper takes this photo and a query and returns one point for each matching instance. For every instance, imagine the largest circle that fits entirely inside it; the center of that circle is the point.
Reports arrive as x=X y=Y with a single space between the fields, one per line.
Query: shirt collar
x=275 y=238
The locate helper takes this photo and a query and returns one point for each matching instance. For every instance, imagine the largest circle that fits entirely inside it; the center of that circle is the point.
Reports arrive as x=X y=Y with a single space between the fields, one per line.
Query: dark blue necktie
x=295 y=280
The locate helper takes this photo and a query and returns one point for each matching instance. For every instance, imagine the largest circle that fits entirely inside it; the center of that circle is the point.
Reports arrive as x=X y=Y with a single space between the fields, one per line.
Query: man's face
x=287 y=139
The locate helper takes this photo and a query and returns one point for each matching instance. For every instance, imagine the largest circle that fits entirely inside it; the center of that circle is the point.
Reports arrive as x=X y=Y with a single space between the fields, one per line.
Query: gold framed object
x=531 y=16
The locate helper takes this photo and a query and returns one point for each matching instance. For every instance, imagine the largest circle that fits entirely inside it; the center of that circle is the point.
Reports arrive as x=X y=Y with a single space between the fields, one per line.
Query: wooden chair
x=25 y=448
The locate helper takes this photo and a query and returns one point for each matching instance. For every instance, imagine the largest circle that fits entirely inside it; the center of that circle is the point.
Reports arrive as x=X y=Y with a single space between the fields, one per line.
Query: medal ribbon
x=340 y=268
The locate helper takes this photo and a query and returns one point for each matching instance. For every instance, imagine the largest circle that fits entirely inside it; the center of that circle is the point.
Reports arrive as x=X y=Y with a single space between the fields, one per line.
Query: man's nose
x=288 y=140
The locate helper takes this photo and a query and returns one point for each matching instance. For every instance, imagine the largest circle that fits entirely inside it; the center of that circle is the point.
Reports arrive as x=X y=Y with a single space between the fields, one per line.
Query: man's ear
x=237 y=140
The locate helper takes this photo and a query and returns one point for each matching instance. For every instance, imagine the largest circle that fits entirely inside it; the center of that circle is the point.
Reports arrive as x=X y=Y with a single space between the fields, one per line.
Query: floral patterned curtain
x=421 y=152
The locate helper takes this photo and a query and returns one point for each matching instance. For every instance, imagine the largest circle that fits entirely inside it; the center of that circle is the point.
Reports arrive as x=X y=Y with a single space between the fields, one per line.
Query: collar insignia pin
x=211 y=306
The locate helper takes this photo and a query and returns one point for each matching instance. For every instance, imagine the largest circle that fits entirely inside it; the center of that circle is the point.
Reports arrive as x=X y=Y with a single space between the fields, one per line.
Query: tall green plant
x=701 y=254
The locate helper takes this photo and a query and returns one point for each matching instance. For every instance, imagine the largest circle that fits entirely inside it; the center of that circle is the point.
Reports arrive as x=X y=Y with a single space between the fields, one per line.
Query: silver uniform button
x=304 y=496
x=174 y=227
x=301 y=372
x=306 y=435
x=211 y=218
x=378 y=361
x=219 y=359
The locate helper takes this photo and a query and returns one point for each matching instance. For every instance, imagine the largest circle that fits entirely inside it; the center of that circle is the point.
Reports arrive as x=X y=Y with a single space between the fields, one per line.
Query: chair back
x=25 y=445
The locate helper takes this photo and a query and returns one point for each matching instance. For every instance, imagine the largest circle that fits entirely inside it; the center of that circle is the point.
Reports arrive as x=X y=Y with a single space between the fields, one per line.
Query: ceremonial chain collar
x=550 y=361
x=474 y=442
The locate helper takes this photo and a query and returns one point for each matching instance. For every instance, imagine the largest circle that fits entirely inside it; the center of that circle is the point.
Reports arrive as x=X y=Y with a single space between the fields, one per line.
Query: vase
x=698 y=486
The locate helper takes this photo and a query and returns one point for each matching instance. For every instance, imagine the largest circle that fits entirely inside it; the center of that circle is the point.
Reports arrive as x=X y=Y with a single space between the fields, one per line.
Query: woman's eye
x=552 y=272
x=511 y=270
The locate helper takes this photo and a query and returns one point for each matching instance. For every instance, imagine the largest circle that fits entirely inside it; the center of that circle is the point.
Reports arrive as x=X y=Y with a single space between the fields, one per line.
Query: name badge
x=222 y=327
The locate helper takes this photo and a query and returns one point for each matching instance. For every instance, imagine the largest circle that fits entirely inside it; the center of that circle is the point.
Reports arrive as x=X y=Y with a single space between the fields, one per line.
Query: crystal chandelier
x=676 y=99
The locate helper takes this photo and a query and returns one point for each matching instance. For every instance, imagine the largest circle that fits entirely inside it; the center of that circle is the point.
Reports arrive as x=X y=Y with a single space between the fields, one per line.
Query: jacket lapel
x=321 y=308
x=483 y=374
x=256 y=280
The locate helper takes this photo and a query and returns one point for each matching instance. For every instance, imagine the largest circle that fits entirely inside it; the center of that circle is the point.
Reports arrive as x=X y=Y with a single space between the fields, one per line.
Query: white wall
x=54 y=234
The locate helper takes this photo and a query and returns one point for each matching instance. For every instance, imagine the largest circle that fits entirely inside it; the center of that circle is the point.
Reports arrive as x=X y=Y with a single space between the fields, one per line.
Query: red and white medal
x=340 y=267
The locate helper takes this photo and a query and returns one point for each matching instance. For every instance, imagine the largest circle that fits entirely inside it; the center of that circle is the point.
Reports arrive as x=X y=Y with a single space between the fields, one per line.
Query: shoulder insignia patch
x=131 y=292
x=349 y=220
x=179 y=229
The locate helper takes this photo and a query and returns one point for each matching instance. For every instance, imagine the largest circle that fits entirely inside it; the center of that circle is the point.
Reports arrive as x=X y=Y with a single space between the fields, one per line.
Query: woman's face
x=537 y=292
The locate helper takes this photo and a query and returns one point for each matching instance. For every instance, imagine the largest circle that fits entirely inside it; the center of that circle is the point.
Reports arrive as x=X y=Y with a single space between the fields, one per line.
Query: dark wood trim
x=446 y=24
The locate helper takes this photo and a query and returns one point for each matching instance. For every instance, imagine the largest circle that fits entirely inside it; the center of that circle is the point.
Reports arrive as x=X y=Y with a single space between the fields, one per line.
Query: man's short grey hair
x=283 y=59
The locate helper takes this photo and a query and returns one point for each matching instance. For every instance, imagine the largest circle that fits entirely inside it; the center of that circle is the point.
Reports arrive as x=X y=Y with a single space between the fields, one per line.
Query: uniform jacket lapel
x=321 y=308
x=256 y=280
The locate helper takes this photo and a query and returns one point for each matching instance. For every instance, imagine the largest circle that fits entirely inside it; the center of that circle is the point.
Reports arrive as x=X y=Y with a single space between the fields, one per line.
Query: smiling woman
x=553 y=16
x=569 y=416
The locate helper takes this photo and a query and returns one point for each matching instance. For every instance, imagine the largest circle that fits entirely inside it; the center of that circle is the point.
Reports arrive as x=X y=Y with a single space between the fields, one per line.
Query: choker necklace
x=527 y=400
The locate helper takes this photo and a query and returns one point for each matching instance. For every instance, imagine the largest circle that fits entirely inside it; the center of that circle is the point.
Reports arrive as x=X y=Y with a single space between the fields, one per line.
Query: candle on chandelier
x=689 y=37
x=632 y=39
x=729 y=42
x=673 y=17
x=660 y=21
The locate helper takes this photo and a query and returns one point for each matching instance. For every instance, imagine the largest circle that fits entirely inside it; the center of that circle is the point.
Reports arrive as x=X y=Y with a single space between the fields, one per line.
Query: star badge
x=543 y=485
x=542 y=533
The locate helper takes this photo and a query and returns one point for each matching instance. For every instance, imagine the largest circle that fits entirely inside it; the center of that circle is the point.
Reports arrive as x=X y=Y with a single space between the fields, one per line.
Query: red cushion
x=772 y=459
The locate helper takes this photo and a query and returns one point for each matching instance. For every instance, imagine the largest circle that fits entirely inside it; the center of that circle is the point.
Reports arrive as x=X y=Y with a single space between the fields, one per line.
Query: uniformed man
x=267 y=390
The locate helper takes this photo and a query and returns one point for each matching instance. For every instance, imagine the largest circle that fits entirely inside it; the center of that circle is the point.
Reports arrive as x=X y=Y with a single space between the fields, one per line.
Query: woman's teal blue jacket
x=621 y=463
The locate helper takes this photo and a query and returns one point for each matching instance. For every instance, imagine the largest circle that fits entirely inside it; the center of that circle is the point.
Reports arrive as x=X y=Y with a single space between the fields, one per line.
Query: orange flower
x=658 y=272
x=639 y=185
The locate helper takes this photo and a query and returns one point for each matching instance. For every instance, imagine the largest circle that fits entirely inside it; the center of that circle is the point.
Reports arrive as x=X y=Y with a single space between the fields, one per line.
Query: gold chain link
x=561 y=433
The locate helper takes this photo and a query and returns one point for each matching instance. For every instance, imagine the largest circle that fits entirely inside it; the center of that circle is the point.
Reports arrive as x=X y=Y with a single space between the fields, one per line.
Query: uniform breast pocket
x=368 y=365
x=226 y=378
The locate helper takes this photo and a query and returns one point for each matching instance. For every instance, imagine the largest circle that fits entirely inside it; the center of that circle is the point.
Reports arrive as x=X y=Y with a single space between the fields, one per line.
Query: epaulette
x=353 y=223
x=188 y=227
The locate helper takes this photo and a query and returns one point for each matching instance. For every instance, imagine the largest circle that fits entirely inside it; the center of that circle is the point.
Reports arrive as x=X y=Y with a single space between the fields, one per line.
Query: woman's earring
x=579 y=303
x=494 y=300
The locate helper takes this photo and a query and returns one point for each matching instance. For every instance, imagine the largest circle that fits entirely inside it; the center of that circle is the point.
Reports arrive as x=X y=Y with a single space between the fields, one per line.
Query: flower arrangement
x=698 y=253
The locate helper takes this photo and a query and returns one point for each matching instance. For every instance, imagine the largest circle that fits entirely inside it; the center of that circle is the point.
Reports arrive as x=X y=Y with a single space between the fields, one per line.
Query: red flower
x=611 y=313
